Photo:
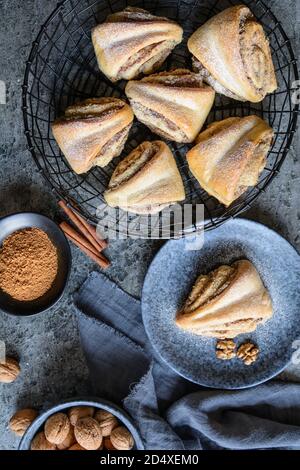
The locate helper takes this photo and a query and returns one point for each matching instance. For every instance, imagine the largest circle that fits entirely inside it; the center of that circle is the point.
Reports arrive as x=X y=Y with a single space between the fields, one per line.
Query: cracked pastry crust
x=146 y=181
x=227 y=302
x=93 y=132
x=230 y=155
x=232 y=54
x=134 y=42
x=172 y=104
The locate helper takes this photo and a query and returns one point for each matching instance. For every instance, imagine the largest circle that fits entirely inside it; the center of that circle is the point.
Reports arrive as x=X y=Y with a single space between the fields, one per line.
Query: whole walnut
x=107 y=422
x=40 y=442
x=88 y=433
x=21 y=420
x=9 y=370
x=68 y=441
x=57 y=428
x=121 y=438
x=78 y=412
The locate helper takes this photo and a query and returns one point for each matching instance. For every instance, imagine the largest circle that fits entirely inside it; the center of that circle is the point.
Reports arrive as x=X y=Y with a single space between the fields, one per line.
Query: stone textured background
x=48 y=346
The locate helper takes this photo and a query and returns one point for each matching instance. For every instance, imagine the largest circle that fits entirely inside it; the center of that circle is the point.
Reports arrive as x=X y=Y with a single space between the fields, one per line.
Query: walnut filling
x=162 y=133
x=158 y=59
x=252 y=55
x=114 y=145
x=91 y=109
x=133 y=163
x=132 y=14
x=154 y=114
x=158 y=123
x=139 y=56
x=233 y=326
x=232 y=329
x=208 y=78
x=145 y=65
x=176 y=78
x=181 y=82
x=243 y=321
x=208 y=287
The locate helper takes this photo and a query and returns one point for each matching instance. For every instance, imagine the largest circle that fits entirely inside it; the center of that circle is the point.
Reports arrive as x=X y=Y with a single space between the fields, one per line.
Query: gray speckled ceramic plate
x=170 y=278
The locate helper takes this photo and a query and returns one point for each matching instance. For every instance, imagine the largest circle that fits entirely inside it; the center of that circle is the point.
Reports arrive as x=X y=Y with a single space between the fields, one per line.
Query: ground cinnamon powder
x=28 y=264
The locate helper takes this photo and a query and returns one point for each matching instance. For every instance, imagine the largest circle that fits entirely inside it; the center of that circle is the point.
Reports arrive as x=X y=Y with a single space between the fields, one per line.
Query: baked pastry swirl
x=146 y=181
x=134 y=42
x=230 y=155
x=228 y=301
x=232 y=54
x=93 y=132
x=172 y=104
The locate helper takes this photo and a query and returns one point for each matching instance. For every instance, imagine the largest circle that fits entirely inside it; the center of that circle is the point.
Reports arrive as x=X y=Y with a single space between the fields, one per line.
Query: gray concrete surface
x=48 y=346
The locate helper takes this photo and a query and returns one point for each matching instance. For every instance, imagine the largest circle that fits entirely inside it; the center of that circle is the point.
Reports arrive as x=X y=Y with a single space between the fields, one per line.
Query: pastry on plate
x=146 y=181
x=232 y=54
x=134 y=42
x=230 y=155
x=172 y=104
x=93 y=132
x=228 y=301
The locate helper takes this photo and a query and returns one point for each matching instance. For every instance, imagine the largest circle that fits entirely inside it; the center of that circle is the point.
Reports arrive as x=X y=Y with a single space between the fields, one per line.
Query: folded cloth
x=170 y=412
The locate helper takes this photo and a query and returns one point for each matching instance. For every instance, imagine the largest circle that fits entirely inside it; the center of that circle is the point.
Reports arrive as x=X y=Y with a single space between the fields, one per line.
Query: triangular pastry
x=230 y=155
x=232 y=54
x=93 y=132
x=146 y=181
x=229 y=301
x=134 y=42
x=172 y=104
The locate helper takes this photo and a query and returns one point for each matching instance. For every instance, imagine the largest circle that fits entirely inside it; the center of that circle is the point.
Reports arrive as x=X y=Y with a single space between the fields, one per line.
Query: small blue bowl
x=11 y=224
x=98 y=403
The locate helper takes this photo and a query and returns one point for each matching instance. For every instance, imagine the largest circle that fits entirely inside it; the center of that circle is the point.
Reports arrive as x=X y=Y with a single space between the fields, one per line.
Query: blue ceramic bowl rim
x=68 y=255
x=91 y=401
x=185 y=376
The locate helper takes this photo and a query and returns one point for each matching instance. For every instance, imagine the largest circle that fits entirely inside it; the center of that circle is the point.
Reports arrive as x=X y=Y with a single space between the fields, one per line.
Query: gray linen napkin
x=170 y=412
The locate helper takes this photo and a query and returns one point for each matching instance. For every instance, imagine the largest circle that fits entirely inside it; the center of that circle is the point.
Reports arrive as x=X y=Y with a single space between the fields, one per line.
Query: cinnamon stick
x=91 y=229
x=77 y=221
x=68 y=230
x=99 y=259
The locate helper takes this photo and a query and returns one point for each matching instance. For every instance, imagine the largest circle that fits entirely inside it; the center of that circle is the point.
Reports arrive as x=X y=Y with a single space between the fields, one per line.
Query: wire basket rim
x=290 y=132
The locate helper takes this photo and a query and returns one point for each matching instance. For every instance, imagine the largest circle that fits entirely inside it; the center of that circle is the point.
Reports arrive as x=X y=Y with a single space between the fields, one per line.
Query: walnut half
x=248 y=353
x=225 y=349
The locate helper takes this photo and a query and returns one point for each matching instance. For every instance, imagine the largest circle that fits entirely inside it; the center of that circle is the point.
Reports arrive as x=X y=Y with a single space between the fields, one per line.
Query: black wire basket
x=62 y=69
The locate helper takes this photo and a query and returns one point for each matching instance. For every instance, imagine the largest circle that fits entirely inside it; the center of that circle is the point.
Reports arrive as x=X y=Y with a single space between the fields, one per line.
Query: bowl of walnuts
x=91 y=424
